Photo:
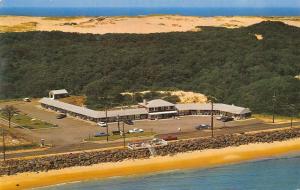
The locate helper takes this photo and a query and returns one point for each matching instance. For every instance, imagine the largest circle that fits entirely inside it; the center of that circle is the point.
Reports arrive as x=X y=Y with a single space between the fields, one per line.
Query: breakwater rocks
x=89 y=158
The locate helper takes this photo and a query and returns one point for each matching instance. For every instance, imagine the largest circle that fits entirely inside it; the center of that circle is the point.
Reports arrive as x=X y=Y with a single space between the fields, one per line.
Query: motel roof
x=140 y=111
x=69 y=107
x=157 y=103
x=232 y=109
x=217 y=106
x=92 y=113
x=123 y=112
x=189 y=106
x=61 y=91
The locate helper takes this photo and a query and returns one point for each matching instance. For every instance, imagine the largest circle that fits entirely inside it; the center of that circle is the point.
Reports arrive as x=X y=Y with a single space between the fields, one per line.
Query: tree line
x=229 y=64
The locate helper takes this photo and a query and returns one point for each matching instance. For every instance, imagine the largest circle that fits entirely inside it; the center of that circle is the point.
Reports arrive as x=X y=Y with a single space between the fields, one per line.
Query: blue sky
x=150 y=3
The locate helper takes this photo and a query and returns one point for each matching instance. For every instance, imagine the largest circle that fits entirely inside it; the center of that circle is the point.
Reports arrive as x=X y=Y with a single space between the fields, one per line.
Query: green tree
x=9 y=111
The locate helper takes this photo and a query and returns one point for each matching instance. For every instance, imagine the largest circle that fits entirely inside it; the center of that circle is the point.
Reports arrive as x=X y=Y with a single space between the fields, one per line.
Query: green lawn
x=28 y=122
x=116 y=137
x=21 y=147
x=278 y=118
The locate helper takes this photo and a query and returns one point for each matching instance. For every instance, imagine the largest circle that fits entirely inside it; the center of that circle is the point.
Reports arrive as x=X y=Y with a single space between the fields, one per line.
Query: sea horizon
x=138 y=11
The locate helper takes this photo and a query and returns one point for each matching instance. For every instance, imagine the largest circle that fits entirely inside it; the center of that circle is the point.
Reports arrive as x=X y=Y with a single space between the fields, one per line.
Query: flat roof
x=61 y=91
x=69 y=107
x=157 y=103
x=217 y=106
x=92 y=113
x=232 y=109
x=140 y=111
x=123 y=112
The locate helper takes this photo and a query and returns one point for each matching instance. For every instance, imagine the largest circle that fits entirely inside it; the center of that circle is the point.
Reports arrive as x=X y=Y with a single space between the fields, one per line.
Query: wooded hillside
x=230 y=64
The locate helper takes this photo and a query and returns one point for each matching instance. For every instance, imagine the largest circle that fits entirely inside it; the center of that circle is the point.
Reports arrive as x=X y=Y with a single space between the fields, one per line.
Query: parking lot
x=72 y=130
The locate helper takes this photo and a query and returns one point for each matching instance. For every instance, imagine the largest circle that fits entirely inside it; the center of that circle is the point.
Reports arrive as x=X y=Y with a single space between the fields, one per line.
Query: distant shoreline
x=190 y=160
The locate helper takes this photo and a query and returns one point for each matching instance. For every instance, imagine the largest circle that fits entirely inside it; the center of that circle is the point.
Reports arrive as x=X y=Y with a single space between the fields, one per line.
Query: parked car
x=61 y=116
x=26 y=100
x=116 y=132
x=102 y=124
x=100 y=134
x=202 y=126
x=136 y=130
x=129 y=122
x=170 y=138
x=226 y=119
x=219 y=117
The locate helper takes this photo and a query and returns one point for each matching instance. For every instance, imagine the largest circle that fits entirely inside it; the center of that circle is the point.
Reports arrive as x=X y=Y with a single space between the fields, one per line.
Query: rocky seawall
x=89 y=158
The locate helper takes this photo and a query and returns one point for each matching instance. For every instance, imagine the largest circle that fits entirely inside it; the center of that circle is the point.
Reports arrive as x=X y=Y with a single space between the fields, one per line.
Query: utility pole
x=124 y=135
x=133 y=96
x=293 y=110
x=274 y=101
x=3 y=143
x=212 y=119
x=212 y=100
x=118 y=123
x=106 y=123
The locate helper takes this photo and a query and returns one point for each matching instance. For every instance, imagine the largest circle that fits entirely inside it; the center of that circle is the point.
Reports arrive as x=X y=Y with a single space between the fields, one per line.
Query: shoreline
x=189 y=160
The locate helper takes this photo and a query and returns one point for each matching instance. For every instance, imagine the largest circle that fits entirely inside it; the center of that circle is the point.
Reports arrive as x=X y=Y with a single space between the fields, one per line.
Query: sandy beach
x=197 y=159
x=134 y=24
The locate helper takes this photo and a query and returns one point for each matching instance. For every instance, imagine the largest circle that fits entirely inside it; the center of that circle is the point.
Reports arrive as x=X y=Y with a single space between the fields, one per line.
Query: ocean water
x=130 y=11
x=281 y=173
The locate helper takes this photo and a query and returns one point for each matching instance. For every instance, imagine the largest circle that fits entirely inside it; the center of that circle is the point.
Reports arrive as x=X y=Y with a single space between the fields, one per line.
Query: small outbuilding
x=56 y=94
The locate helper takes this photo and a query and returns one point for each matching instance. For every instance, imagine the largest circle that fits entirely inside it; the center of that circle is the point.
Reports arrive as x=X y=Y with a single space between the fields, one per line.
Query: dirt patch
x=184 y=97
x=15 y=140
x=259 y=36
x=189 y=97
x=75 y=100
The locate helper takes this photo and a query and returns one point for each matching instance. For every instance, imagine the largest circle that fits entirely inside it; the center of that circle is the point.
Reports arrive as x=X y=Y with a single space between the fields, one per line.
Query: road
x=182 y=135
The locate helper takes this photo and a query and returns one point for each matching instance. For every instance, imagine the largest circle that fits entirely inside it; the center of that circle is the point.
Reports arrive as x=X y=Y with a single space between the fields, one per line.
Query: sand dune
x=137 y=24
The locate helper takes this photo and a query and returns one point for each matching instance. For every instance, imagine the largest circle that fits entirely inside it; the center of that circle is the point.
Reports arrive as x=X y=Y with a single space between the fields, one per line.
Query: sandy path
x=197 y=159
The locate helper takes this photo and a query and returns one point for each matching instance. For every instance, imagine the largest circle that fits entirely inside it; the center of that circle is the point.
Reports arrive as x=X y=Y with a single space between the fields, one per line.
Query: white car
x=26 y=100
x=136 y=130
x=102 y=124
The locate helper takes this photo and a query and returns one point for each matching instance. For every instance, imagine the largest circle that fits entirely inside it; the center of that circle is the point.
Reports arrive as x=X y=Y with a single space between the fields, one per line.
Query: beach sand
x=197 y=159
x=134 y=24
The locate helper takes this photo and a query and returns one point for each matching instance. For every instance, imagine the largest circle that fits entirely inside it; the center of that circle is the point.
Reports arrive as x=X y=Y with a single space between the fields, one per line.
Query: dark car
x=226 y=119
x=129 y=122
x=100 y=134
x=61 y=116
x=116 y=132
x=202 y=127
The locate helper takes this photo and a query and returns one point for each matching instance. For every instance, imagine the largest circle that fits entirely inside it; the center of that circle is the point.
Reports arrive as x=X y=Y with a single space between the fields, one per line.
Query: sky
x=151 y=3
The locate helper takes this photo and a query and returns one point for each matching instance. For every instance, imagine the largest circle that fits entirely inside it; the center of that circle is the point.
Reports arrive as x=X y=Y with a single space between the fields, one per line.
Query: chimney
x=144 y=101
